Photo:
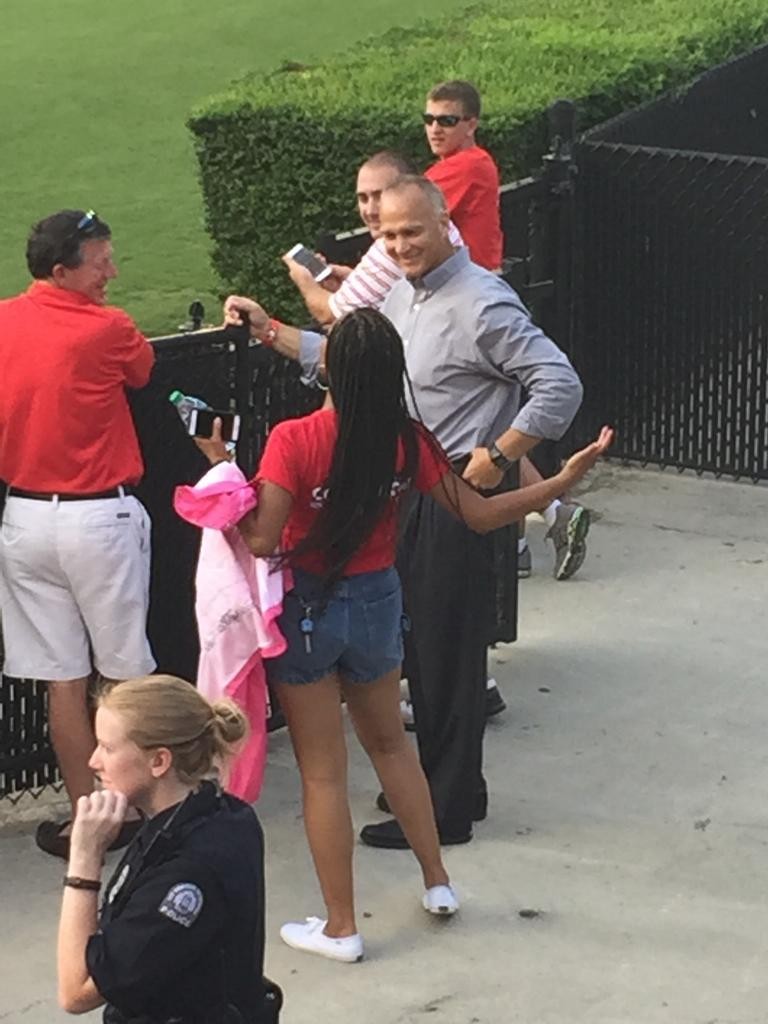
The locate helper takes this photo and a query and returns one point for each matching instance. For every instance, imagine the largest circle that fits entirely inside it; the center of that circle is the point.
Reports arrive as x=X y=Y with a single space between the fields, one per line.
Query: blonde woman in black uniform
x=180 y=935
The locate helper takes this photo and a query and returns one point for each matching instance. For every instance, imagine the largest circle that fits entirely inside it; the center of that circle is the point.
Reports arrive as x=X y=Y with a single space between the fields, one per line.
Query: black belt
x=113 y=492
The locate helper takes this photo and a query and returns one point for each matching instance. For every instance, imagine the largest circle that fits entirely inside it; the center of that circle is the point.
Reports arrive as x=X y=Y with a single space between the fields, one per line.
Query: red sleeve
x=132 y=351
x=433 y=462
x=278 y=460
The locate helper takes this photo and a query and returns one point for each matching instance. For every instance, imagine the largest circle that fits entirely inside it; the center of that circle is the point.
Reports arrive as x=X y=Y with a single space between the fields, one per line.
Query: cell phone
x=201 y=423
x=307 y=258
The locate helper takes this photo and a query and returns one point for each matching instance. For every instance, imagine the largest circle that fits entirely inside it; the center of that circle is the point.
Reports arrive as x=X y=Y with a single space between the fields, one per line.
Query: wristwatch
x=499 y=459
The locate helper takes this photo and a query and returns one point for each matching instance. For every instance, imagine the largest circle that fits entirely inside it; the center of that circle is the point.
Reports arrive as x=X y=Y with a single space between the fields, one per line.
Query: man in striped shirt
x=369 y=283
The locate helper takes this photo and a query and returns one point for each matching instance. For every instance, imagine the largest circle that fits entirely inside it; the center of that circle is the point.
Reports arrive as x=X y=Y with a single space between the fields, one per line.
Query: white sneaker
x=311 y=938
x=440 y=899
x=406 y=712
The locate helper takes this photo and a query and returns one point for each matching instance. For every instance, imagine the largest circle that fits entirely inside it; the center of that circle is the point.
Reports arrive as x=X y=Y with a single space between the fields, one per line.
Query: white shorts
x=74 y=588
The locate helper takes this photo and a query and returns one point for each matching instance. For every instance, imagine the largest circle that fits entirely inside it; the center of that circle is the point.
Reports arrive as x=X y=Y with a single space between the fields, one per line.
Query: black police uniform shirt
x=181 y=929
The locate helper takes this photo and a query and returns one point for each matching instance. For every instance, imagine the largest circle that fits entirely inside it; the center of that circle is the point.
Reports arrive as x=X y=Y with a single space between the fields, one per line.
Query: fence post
x=246 y=447
x=550 y=248
x=550 y=223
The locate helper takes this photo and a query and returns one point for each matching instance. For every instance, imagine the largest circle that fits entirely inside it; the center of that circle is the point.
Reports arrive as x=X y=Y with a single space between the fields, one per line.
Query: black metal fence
x=668 y=302
x=670 y=310
x=27 y=763
x=724 y=110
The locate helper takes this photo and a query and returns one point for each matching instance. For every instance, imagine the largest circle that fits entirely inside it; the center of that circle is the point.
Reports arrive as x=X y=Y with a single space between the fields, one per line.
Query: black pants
x=447 y=576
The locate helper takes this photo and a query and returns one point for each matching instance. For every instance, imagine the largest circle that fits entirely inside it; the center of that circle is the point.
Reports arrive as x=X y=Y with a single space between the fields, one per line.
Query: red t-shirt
x=469 y=180
x=298 y=457
x=65 y=361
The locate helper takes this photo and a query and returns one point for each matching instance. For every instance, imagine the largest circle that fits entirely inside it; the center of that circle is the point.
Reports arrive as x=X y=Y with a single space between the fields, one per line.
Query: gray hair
x=426 y=187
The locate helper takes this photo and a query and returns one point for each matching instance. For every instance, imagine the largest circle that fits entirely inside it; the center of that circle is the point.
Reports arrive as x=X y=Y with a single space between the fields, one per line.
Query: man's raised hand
x=239 y=310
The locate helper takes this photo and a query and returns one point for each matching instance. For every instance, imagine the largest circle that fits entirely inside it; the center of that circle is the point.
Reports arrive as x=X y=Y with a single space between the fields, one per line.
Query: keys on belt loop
x=307 y=625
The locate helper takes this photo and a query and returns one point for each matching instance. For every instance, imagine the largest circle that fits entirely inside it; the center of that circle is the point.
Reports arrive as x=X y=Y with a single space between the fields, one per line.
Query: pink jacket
x=238 y=601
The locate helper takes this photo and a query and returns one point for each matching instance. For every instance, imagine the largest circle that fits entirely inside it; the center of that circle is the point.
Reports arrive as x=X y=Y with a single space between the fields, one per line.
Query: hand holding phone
x=201 y=423
x=213 y=446
x=306 y=258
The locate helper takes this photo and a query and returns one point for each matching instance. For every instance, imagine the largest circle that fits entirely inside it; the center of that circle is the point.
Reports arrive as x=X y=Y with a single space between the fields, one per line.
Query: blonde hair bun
x=166 y=711
x=229 y=723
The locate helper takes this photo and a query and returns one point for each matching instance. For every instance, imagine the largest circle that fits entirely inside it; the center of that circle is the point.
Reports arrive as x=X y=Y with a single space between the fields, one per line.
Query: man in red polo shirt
x=469 y=179
x=466 y=173
x=74 y=543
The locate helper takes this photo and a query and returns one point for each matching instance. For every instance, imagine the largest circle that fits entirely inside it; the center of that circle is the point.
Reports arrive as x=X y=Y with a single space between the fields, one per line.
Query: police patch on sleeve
x=182 y=903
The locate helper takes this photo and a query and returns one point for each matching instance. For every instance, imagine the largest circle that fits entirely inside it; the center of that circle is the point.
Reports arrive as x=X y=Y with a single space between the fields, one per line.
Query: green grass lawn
x=93 y=100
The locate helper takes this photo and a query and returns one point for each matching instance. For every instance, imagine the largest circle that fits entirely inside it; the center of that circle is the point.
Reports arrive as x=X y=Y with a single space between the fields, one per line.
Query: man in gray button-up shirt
x=470 y=346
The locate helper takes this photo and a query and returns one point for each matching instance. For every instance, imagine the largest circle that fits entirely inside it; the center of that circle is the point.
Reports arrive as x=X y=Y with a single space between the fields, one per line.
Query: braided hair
x=365 y=364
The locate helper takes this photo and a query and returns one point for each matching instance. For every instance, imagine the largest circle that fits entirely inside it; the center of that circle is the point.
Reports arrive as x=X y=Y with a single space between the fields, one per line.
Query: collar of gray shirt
x=441 y=274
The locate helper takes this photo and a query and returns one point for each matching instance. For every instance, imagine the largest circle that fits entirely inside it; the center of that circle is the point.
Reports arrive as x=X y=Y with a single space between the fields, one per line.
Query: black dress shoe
x=50 y=840
x=494 y=702
x=480 y=812
x=389 y=836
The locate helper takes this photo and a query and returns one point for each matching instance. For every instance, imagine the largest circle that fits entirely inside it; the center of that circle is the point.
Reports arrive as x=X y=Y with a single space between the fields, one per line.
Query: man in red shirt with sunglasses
x=74 y=541
x=468 y=177
x=465 y=172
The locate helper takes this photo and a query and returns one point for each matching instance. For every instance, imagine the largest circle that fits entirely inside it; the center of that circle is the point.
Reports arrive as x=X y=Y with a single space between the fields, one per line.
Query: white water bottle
x=185 y=404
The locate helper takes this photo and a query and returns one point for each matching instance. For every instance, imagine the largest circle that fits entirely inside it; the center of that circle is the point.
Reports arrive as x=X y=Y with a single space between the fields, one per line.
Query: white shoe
x=311 y=938
x=440 y=899
x=406 y=712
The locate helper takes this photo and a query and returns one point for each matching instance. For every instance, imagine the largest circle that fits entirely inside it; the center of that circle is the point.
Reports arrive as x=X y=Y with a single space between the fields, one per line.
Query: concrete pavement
x=629 y=816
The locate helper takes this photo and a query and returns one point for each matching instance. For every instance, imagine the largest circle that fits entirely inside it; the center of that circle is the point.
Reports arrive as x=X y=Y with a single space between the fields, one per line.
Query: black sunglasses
x=444 y=120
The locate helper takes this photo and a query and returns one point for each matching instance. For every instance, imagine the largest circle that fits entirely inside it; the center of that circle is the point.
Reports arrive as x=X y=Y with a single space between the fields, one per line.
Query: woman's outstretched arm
x=484 y=513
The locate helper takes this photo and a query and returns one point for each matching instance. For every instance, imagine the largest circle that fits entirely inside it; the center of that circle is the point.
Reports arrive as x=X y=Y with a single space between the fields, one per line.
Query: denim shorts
x=358 y=633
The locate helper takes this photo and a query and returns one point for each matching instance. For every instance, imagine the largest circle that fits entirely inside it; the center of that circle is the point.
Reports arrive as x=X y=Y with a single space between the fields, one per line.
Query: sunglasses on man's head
x=87 y=221
x=444 y=120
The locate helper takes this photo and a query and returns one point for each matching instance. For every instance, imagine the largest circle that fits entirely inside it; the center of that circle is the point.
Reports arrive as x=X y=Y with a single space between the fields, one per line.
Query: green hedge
x=278 y=153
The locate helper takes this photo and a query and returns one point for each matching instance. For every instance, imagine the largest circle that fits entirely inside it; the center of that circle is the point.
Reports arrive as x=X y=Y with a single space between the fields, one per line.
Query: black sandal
x=50 y=840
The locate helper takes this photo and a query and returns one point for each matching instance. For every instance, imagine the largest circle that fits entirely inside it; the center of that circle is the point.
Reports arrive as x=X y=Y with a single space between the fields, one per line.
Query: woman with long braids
x=329 y=485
